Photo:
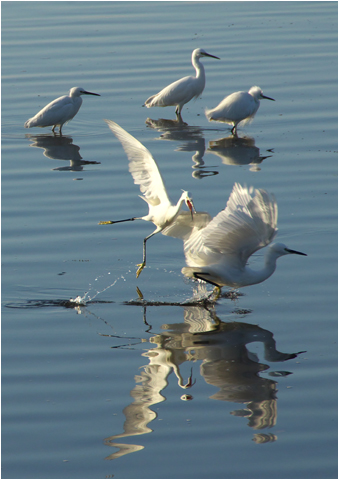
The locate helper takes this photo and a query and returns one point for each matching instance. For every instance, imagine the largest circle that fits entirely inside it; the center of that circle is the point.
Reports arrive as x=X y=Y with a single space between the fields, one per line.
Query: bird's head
x=256 y=92
x=279 y=249
x=200 y=52
x=77 y=91
x=187 y=197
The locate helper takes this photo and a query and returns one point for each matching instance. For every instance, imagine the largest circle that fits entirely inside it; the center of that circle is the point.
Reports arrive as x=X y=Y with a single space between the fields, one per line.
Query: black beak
x=297 y=253
x=268 y=98
x=90 y=93
x=212 y=56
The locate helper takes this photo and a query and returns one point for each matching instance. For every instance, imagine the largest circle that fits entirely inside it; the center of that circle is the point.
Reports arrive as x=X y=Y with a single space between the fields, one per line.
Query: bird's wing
x=248 y=223
x=237 y=106
x=184 y=224
x=175 y=93
x=142 y=166
x=54 y=113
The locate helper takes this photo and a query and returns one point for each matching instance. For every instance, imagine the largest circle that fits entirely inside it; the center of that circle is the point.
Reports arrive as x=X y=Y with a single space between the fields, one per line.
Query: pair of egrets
x=237 y=107
x=217 y=250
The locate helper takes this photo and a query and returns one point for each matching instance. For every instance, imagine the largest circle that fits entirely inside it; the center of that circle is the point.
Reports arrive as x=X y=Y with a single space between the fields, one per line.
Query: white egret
x=145 y=173
x=60 y=111
x=237 y=107
x=182 y=91
x=218 y=251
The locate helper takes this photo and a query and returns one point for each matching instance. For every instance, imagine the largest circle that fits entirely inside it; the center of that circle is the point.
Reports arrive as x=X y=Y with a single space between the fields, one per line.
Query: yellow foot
x=140 y=295
x=216 y=292
x=105 y=223
x=140 y=269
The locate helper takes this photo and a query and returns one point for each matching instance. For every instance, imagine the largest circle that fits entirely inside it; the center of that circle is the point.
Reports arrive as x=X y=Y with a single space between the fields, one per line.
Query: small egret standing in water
x=145 y=173
x=182 y=91
x=218 y=252
x=60 y=111
x=237 y=107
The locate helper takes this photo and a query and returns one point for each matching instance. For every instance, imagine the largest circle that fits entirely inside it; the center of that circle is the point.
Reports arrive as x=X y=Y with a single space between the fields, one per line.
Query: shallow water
x=97 y=390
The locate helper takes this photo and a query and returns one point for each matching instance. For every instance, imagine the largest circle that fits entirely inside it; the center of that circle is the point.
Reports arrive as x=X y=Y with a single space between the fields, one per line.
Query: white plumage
x=60 y=111
x=182 y=91
x=146 y=174
x=237 y=107
x=217 y=250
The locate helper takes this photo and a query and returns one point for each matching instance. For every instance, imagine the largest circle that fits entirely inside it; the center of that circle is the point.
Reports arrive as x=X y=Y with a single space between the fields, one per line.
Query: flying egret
x=217 y=251
x=145 y=173
x=182 y=91
x=60 y=111
x=237 y=107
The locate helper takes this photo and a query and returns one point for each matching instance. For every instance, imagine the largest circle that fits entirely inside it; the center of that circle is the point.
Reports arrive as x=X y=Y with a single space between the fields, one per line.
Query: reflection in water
x=60 y=148
x=234 y=150
x=193 y=138
x=225 y=362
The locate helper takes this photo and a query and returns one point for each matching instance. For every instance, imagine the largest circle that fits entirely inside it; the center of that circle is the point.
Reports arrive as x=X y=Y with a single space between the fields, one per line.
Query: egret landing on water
x=237 y=107
x=60 y=111
x=182 y=91
x=145 y=173
x=218 y=252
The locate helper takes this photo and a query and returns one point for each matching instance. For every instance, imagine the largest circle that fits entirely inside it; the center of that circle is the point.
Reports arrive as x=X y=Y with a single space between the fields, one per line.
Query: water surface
x=98 y=390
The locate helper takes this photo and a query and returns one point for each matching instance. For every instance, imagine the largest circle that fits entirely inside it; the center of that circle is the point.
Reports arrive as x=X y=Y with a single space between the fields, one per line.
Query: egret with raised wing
x=60 y=111
x=145 y=173
x=217 y=251
x=182 y=91
x=237 y=107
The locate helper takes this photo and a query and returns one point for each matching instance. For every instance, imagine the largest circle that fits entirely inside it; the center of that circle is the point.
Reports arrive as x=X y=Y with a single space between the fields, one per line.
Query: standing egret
x=218 y=252
x=60 y=111
x=145 y=173
x=182 y=91
x=237 y=107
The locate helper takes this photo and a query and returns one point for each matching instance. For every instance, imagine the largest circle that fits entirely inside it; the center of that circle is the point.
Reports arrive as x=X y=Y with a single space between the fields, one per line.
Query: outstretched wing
x=142 y=166
x=248 y=223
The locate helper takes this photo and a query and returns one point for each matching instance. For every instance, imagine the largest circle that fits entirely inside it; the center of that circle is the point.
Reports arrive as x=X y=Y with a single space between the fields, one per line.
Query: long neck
x=257 y=276
x=179 y=205
x=199 y=68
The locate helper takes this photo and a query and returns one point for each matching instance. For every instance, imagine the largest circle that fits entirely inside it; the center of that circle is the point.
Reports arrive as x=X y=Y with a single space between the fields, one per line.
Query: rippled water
x=142 y=380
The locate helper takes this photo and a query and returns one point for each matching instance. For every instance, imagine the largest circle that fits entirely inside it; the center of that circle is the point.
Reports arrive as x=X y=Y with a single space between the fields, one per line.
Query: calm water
x=97 y=391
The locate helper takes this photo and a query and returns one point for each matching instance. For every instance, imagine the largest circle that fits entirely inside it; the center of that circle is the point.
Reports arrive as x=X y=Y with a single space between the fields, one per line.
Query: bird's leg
x=216 y=292
x=178 y=114
x=53 y=129
x=60 y=132
x=143 y=264
x=117 y=221
x=234 y=130
x=217 y=289
x=190 y=382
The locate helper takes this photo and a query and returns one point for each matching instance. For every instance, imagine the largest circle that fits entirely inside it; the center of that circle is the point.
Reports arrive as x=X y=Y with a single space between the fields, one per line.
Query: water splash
x=89 y=296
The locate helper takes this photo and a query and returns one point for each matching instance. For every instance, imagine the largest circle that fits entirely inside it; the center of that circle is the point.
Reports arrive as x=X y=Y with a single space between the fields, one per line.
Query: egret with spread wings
x=146 y=174
x=217 y=251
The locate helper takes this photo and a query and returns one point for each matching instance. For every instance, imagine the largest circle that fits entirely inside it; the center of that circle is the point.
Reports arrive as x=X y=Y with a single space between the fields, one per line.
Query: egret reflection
x=60 y=148
x=221 y=349
x=192 y=139
x=234 y=150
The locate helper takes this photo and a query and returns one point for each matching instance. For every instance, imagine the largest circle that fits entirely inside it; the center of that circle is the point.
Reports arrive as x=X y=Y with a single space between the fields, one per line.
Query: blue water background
x=95 y=391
